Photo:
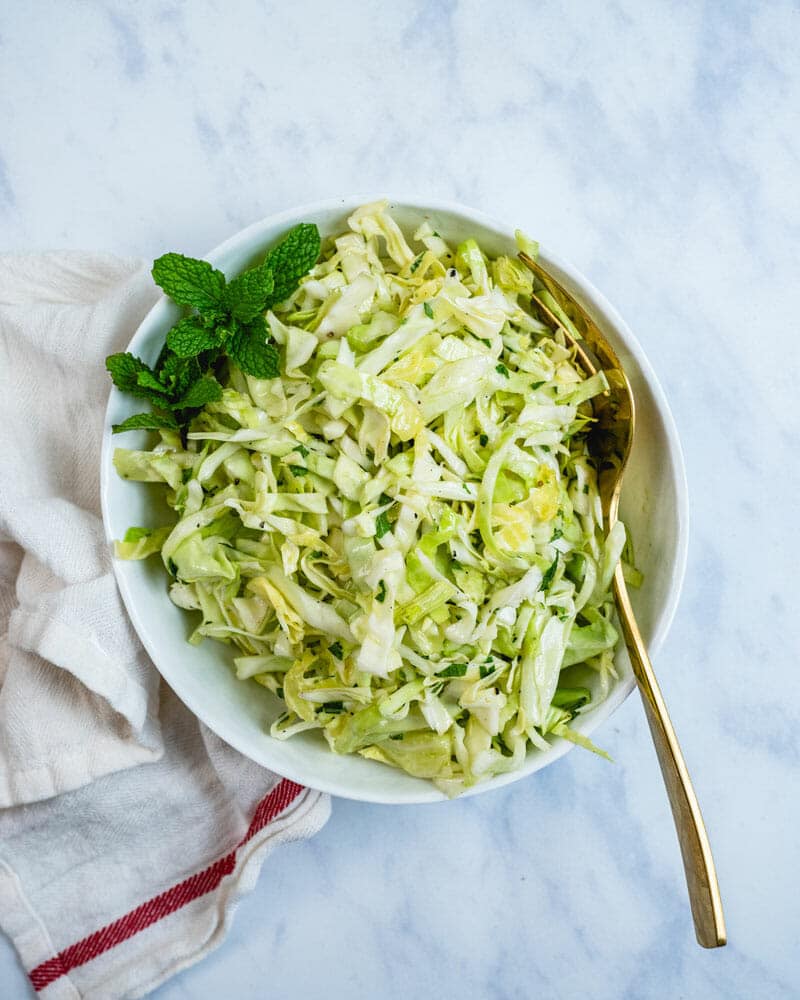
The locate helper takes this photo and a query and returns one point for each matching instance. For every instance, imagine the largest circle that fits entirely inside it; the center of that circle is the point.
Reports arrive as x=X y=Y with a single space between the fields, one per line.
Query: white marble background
x=655 y=145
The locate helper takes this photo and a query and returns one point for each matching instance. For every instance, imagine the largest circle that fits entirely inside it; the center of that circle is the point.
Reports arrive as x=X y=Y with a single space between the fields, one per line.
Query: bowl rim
x=424 y=792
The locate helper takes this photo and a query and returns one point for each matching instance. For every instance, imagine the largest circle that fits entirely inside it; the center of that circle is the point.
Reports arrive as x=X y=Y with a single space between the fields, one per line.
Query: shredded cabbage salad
x=402 y=534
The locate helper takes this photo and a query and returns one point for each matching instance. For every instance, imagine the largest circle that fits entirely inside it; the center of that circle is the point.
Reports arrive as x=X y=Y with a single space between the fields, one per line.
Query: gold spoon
x=610 y=443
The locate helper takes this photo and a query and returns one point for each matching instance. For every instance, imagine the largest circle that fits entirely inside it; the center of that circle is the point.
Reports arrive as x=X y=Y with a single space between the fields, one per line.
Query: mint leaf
x=191 y=282
x=125 y=370
x=189 y=337
x=291 y=259
x=147 y=380
x=145 y=422
x=205 y=390
x=249 y=349
x=178 y=373
x=130 y=374
x=246 y=296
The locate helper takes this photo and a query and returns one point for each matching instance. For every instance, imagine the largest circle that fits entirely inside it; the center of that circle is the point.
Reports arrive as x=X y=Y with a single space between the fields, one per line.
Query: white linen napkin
x=128 y=831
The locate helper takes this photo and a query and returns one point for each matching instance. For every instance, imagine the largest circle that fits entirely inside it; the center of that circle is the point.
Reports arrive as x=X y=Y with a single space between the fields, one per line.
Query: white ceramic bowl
x=654 y=506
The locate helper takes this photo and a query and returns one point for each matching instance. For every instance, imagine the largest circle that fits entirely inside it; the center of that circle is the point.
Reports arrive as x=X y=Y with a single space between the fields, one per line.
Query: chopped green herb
x=484 y=440
x=332 y=707
x=382 y=525
x=453 y=670
x=380 y=597
x=298 y=470
x=428 y=309
x=335 y=649
x=537 y=385
x=502 y=370
x=550 y=572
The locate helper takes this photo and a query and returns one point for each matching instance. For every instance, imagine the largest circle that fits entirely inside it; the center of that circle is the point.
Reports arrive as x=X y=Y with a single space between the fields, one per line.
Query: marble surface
x=657 y=147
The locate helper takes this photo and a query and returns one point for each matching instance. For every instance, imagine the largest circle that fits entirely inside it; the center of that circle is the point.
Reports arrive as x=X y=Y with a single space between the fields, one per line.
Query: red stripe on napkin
x=166 y=902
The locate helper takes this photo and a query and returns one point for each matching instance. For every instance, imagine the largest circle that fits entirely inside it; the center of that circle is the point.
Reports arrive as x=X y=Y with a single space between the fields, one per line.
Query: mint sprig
x=249 y=349
x=189 y=337
x=177 y=389
x=205 y=390
x=191 y=282
x=227 y=322
x=292 y=259
x=125 y=370
x=178 y=374
x=247 y=295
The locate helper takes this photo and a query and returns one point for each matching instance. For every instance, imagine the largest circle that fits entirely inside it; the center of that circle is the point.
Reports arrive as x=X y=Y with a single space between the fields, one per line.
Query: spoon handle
x=698 y=864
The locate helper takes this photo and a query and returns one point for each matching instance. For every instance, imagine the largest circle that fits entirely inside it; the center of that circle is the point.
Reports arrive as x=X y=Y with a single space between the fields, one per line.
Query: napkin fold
x=128 y=831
